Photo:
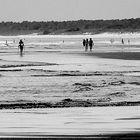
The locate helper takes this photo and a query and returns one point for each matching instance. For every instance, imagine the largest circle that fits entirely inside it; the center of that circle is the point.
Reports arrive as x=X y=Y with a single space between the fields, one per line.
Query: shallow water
x=64 y=71
x=69 y=60
x=37 y=88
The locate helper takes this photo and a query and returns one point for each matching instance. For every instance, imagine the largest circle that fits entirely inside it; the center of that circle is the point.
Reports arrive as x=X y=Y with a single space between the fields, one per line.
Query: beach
x=74 y=123
x=75 y=92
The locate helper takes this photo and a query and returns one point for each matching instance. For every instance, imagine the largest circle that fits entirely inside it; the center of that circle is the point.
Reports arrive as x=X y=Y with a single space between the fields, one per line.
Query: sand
x=53 y=81
x=69 y=78
x=71 y=122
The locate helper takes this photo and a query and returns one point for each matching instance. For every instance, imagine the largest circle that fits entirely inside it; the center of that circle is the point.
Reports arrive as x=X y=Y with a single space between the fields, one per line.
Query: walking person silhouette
x=84 y=42
x=122 y=41
x=86 y=45
x=21 y=47
x=90 y=44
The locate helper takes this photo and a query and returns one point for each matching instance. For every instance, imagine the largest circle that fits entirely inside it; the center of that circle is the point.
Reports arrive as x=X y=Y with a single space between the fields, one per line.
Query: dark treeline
x=80 y=26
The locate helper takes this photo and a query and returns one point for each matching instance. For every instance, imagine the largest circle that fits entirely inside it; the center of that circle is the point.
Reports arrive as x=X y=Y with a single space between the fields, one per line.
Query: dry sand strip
x=71 y=123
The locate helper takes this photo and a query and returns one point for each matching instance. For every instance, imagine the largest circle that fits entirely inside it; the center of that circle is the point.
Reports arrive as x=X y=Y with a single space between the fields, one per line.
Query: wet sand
x=97 y=122
x=117 y=55
x=46 y=86
x=69 y=78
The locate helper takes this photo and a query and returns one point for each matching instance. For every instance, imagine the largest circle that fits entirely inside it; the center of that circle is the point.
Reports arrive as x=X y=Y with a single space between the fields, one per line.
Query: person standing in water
x=84 y=42
x=122 y=41
x=90 y=44
x=21 y=47
x=128 y=41
x=86 y=45
x=6 y=43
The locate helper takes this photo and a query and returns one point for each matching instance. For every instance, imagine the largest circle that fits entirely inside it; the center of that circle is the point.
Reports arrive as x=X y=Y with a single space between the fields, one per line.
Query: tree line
x=95 y=26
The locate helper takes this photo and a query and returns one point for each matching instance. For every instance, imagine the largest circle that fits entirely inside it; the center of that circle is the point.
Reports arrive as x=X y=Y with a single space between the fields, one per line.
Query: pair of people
x=87 y=43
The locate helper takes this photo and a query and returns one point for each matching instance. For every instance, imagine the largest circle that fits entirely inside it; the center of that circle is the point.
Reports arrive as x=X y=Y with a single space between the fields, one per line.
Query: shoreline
x=88 y=33
x=130 y=136
x=68 y=103
x=71 y=123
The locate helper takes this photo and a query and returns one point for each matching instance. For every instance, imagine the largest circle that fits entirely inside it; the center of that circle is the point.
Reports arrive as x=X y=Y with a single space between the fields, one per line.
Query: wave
x=68 y=103
x=101 y=35
x=71 y=73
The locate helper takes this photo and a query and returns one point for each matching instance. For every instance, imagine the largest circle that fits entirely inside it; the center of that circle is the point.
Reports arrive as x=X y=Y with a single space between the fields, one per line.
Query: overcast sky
x=46 y=10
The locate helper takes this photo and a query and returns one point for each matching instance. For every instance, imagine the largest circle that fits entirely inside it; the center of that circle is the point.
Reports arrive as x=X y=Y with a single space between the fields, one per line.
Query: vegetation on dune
x=80 y=26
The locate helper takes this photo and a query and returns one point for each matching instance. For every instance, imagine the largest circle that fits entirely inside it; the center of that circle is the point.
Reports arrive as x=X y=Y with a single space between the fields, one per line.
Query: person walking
x=128 y=41
x=21 y=47
x=86 y=45
x=84 y=42
x=6 y=43
x=122 y=41
x=90 y=44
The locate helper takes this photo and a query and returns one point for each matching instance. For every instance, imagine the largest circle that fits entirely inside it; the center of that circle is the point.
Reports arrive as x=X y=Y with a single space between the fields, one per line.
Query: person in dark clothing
x=86 y=44
x=6 y=43
x=21 y=47
x=128 y=41
x=90 y=44
x=122 y=41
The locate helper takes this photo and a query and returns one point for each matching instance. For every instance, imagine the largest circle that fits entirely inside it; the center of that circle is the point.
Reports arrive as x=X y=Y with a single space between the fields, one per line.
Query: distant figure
x=111 y=40
x=128 y=41
x=90 y=44
x=84 y=42
x=6 y=43
x=122 y=41
x=86 y=45
x=21 y=47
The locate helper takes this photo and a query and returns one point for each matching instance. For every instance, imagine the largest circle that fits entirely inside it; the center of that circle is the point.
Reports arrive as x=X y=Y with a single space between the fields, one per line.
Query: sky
x=60 y=10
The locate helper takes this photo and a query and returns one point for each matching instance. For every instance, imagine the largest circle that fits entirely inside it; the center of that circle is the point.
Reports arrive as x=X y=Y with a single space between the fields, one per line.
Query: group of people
x=88 y=43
